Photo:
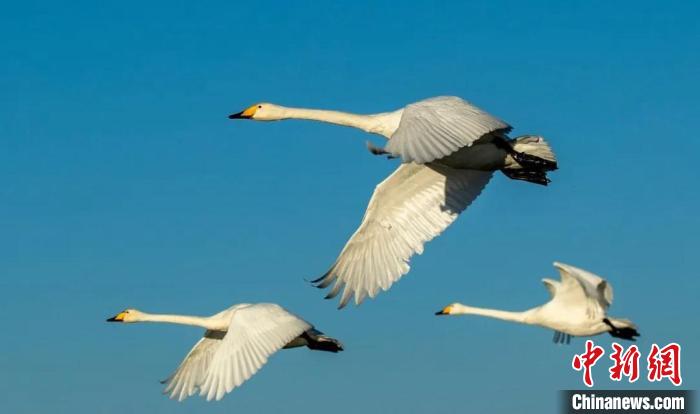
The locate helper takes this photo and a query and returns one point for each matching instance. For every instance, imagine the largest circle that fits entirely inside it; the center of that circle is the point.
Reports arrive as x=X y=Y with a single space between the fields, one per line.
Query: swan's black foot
x=532 y=176
x=533 y=162
x=317 y=341
x=375 y=150
x=623 y=333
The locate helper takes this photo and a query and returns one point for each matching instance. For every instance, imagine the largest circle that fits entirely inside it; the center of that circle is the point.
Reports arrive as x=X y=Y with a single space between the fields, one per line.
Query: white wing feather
x=570 y=293
x=551 y=286
x=434 y=128
x=185 y=380
x=409 y=208
x=215 y=367
x=595 y=286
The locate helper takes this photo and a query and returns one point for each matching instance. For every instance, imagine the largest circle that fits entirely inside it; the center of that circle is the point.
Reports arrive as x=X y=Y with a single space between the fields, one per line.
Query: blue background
x=122 y=184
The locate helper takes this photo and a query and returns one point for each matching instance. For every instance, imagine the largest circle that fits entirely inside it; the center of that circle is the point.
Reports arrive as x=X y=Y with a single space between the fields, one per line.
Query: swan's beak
x=444 y=311
x=238 y=115
x=118 y=318
x=246 y=114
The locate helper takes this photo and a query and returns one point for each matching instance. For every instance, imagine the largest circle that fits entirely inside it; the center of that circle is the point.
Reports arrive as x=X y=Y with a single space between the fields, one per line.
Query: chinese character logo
x=661 y=363
x=586 y=360
x=624 y=363
x=665 y=363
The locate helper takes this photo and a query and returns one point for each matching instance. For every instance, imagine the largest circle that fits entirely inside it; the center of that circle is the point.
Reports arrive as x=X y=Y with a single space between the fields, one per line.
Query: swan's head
x=261 y=112
x=126 y=316
x=453 y=309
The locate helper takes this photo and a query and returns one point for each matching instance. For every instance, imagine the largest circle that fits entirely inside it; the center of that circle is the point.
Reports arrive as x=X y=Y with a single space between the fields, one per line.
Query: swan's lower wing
x=409 y=208
x=256 y=332
x=435 y=128
x=185 y=381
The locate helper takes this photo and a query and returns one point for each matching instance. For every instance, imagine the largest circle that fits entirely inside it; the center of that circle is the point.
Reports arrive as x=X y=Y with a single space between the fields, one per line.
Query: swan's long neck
x=202 y=322
x=381 y=124
x=519 y=317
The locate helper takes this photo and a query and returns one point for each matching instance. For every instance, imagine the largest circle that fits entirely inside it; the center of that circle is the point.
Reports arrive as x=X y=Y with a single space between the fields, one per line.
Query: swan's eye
x=259 y=106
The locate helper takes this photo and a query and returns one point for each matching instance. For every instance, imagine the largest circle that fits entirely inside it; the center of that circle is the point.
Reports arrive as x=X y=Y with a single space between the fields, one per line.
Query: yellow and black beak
x=238 y=115
x=444 y=311
x=118 y=318
x=246 y=114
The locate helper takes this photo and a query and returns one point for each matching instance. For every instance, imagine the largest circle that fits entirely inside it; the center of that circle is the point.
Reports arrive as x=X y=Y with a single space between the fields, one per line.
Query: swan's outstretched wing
x=409 y=208
x=437 y=127
x=214 y=367
x=184 y=382
x=570 y=293
x=551 y=286
x=595 y=286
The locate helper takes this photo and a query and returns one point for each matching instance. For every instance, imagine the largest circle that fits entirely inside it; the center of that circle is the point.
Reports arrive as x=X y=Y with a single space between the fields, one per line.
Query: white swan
x=236 y=344
x=578 y=307
x=450 y=149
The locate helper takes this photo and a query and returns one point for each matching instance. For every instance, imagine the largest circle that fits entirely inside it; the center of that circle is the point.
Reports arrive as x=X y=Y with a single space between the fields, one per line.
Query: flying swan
x=449 y=150
x=578 y=307
x=236 y=344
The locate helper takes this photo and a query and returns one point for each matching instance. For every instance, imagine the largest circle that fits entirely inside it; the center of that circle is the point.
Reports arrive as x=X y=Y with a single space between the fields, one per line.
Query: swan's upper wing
x=436 y=127
x=413 y=205
x=255 y=333
x=551 y=286
x=595 y=286
x=570 y=293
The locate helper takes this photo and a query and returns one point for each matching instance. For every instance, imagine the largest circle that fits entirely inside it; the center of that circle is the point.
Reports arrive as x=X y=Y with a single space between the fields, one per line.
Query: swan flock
x=449 y=150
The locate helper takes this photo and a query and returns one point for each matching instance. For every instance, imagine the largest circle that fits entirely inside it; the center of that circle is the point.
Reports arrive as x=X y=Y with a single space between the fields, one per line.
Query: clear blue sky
x=122 y=184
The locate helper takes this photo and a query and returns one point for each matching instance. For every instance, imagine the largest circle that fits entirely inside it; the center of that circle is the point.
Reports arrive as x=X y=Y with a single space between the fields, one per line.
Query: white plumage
x=450 y=149
x=577 y=307
x=236 y=344
x=413 y=205
x=437 y=127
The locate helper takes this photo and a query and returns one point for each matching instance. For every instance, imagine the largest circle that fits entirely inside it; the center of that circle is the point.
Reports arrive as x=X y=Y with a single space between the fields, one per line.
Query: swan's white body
x=236 y=344
x=449 y=150
x=578 y=307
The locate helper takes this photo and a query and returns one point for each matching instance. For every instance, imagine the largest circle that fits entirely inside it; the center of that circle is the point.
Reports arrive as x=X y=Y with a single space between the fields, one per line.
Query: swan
x=578 y=307
x=450 y=149
x=236 y=344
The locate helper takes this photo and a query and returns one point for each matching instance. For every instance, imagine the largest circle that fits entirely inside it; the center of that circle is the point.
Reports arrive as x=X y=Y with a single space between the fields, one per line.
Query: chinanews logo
x=661 y=364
